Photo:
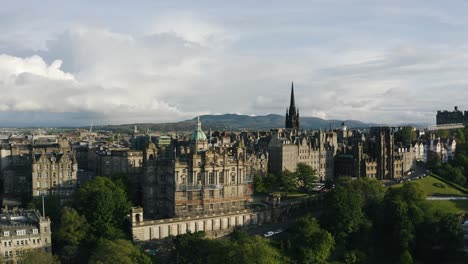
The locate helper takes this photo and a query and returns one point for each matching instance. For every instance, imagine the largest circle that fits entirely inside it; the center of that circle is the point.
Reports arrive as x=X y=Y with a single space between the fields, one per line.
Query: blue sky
x=77 y=62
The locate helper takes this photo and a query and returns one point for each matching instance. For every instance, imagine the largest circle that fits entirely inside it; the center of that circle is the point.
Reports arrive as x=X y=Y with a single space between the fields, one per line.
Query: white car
x=269 y=234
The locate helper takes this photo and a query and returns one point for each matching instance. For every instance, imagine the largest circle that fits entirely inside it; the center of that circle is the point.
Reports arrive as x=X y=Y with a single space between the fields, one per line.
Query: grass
x=450 y=206
x=435 y=187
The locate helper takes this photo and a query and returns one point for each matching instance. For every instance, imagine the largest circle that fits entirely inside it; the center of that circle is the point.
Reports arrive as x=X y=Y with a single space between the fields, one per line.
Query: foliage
x=194 y=248
x=259 y=185
x=118 y=251
x=302 y=180
x=342 y=212
x=306 y=176
x=288 y=181
x=404 y=209
x=39 y=257
x=73 y=228
x=105 y=207
x=405 y=135
x=311 y=243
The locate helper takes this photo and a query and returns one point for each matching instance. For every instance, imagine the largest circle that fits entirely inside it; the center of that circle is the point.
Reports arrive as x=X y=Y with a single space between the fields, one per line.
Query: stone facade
x=22 y=231
x=213 y=224
x=54 y=174
x=316 y=149
x=187 y=178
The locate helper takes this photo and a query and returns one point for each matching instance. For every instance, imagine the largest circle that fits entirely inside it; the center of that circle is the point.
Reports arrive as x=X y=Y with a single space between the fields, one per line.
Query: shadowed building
x=292 y=114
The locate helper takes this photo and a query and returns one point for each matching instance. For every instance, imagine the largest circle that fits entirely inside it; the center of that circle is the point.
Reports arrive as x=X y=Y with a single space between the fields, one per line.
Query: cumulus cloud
x=176 y=64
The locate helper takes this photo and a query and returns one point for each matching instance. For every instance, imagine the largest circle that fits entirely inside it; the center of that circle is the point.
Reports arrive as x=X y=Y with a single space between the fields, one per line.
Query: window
x=221 y=177
x=211 y=178
x=211 y=206
x=6 y=233
x=198 y=177
x=35 y=231
x=20 y=232
x=233 y=177
x=211 y=193
x=221 y=193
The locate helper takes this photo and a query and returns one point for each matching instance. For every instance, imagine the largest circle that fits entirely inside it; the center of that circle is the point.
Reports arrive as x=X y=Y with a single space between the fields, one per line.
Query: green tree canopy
x=39 y=257
x=306 y=176
x=342 y=212
x=73 y=228
x=105 y=206
x=289 y=181
x=118 y=251
x=405 y=135
x=311 y=244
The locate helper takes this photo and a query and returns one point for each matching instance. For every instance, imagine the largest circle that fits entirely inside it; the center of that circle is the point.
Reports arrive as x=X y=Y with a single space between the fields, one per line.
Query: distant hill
x=239 y=122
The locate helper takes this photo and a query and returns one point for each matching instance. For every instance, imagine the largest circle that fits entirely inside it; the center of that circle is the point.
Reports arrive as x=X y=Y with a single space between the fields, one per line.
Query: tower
x=292 y=114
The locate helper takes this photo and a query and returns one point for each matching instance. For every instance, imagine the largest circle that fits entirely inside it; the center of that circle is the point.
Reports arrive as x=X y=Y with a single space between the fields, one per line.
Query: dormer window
x=6 y=233
x=21 y=232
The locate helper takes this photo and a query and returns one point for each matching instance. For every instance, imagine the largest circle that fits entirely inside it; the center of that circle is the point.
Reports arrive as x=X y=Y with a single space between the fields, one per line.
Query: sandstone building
x=22 y=231
x=191 y=177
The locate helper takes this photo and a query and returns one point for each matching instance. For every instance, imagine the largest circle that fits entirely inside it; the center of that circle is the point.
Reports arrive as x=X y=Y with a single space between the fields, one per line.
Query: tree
x=450 y=234
x=118 y=251
x=39 y=257
x=405 y=134
x=461 y=136
x=342 y=212
x=404 y=209
x=256 y=250
x=73 y=228
x=105 y=207
x=289 y=181
x=311 y=243
x=242 y=248
x=259 y=185
x=306 y=176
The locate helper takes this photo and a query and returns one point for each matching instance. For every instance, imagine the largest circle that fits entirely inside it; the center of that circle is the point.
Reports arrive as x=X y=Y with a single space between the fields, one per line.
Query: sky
x=75 y=63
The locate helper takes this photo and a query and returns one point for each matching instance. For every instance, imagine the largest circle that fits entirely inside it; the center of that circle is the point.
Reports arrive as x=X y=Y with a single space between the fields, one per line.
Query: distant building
x=451 y=117
x=23 y=231
x=292 y=114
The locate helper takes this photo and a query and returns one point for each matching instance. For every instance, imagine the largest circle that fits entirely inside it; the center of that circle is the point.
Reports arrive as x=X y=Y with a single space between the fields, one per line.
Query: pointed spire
x=198 y=123
x=292 y=103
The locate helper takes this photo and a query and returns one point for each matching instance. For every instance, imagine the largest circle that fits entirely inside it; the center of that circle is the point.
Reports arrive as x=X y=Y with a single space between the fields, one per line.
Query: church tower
x=292 y=114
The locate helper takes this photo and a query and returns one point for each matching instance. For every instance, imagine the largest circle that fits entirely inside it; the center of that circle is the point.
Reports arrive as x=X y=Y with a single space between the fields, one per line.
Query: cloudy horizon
x=117 y=62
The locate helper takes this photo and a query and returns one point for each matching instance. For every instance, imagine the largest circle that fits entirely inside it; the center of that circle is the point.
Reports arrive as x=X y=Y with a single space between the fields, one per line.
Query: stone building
x=451 y=117
x=54 y=174
x=110 y=161
x=18 y=157
x=317 y=150
x=23 y=231
x=192 y=178
x=292 y=114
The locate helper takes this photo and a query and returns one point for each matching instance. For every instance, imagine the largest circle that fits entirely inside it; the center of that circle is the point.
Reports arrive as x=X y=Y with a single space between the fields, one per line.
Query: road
x=446 y=198
x=418 y=173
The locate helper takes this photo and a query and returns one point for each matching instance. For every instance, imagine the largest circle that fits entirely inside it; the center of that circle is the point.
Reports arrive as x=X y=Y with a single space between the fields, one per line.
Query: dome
x=198 y=134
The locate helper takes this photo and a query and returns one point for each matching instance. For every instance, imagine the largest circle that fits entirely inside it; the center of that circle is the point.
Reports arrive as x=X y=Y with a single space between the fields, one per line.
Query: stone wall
x=214 y=225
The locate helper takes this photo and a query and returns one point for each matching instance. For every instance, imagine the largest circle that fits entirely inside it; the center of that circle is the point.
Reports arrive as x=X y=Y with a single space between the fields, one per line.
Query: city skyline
x=115 y=63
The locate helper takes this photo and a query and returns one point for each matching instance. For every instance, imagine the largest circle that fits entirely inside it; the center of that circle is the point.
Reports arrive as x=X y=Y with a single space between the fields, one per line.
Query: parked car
x=269 y=234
